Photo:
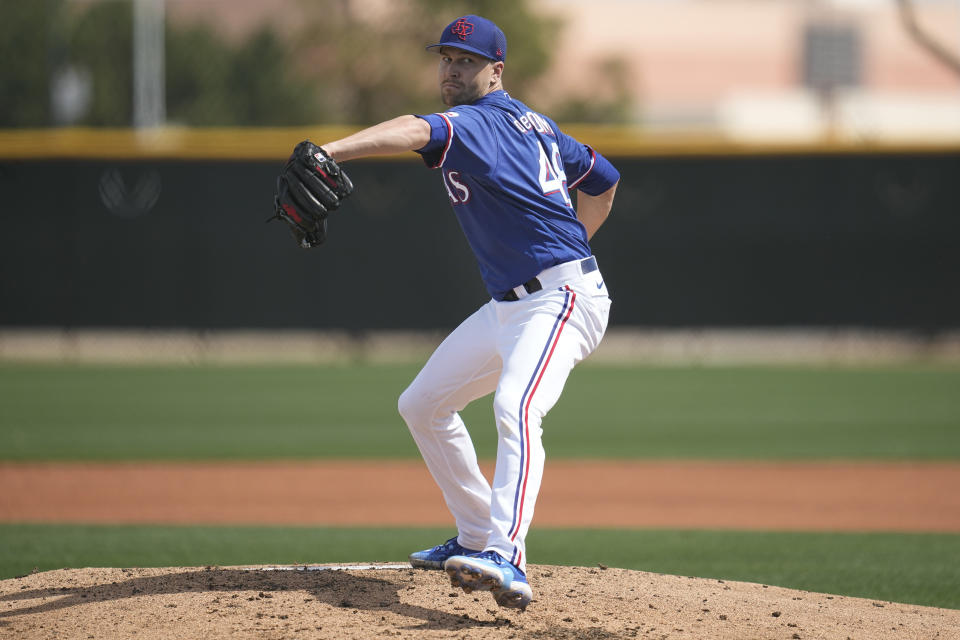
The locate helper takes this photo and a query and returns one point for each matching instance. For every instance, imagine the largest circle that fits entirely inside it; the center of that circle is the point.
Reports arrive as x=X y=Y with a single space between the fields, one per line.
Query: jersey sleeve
x=462 y=136
x=435 y=152
x=586 y=169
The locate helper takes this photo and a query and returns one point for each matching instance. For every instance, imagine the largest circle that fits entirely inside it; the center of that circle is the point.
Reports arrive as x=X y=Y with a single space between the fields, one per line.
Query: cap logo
x=461 y=28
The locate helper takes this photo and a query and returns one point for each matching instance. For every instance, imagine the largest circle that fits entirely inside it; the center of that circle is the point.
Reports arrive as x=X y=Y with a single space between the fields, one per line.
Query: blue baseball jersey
x=508 y=171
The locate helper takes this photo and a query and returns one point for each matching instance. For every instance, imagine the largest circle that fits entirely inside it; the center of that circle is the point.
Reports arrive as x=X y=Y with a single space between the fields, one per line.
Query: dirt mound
x=315 y=602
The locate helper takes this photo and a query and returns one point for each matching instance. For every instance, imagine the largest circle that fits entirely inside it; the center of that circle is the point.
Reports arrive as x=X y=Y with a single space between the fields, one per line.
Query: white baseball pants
x=522 y=351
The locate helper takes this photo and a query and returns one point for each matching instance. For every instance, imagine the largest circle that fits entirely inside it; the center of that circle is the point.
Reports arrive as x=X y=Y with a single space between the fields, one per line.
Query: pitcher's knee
x=417 y=407
x=409 y=405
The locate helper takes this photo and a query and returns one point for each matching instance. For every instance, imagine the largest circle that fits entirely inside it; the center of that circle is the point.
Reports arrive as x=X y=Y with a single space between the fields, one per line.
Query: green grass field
x=179 y=413
x=121 y=413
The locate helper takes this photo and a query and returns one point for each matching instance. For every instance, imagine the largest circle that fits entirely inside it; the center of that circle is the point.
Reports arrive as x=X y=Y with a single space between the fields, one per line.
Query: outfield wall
x=708 y=237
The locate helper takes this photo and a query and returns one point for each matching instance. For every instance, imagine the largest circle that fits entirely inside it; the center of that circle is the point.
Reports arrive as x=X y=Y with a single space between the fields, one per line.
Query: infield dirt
x=796 y=496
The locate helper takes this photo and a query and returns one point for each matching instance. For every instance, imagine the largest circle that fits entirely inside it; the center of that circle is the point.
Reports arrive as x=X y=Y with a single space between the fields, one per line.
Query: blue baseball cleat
x=489 y=571
x=435 y=557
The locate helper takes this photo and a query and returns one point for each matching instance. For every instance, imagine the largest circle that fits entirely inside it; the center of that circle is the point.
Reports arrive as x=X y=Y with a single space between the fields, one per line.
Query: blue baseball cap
x=477 y=35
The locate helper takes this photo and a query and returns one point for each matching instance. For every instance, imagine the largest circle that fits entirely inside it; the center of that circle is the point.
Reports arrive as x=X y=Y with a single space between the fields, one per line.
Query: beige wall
x=727 y=66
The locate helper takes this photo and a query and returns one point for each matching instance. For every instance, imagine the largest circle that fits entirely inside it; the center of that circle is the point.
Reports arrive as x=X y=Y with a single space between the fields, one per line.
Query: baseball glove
x=310 y=186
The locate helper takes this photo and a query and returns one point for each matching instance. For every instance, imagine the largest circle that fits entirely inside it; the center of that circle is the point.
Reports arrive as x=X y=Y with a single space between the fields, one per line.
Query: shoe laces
x=499 y=560
x=446 y=545
x=492 y=556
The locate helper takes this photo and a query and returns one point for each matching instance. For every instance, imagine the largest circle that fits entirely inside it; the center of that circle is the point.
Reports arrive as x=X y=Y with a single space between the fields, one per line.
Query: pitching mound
x=569 y=602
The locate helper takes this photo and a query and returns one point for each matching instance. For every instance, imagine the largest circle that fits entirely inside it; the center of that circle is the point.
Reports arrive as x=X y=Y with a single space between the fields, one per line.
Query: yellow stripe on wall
x=276 y=143
x=172 y=143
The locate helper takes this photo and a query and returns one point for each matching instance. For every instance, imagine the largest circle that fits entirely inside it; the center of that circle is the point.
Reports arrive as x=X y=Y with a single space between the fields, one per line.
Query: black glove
x=310 y=186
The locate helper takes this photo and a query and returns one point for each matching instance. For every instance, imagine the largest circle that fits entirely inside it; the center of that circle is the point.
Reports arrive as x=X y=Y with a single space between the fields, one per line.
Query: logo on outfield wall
x=129 y=199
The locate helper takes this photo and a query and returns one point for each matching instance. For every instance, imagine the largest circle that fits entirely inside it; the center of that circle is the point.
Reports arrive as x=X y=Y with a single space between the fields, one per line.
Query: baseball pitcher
x=509 y=173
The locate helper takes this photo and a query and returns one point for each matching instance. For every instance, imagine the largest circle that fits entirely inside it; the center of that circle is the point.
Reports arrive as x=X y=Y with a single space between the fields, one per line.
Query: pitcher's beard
x=464 y=95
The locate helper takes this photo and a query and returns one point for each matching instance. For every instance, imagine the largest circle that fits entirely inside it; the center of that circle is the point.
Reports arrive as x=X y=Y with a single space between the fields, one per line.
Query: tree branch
x=934 y=48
